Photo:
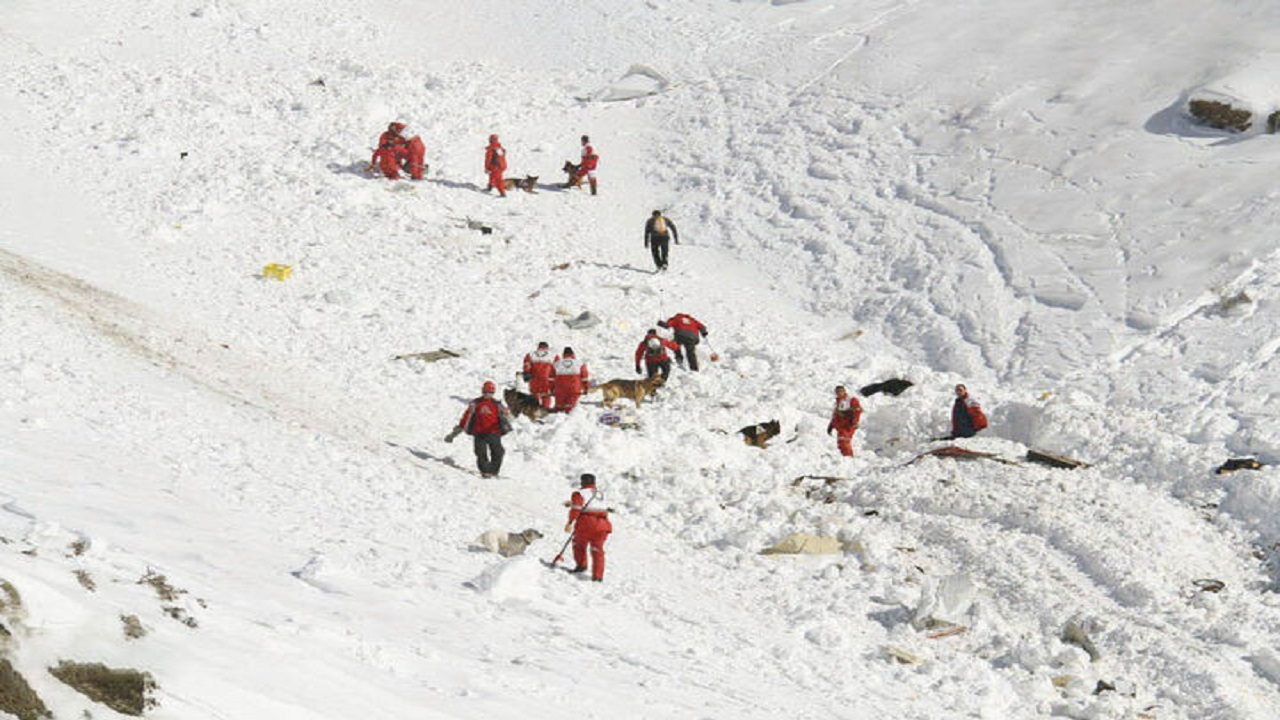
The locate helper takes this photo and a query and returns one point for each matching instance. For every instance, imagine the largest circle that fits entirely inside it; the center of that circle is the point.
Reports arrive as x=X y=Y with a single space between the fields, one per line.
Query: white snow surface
x=1004 y=193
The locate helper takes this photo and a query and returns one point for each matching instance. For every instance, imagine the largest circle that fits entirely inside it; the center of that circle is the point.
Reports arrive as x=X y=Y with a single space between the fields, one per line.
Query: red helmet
x=488 y=387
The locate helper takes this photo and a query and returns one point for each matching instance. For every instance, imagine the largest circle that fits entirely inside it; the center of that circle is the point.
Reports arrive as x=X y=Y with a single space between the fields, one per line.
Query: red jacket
x=540 y=367
x=655 y=356
x=390 y=142
x=680 y=321
x=847 y=414
x=495 y=158
x=485 y=416
x=589 y=159
x=578 y=500
x=571 y=375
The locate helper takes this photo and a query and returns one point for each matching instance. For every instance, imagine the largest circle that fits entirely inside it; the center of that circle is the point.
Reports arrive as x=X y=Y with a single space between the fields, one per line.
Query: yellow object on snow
x=277 y=271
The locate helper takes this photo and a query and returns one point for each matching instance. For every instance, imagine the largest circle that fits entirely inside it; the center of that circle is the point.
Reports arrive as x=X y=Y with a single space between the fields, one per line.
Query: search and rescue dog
x=760 y=434
x=528 y=183
x=571 y=171
x=634 y=390
x=504 y=543
x=523 y=404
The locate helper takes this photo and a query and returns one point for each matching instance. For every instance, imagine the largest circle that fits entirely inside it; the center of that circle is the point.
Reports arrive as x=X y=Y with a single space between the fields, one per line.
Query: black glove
x=703 y=331
x=662 y=324
x=527 y=376
x=830 y=427
x=638 y=370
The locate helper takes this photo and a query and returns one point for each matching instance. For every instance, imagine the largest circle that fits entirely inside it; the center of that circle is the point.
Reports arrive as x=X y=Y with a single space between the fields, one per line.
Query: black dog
x=893 y=387
x=523 y=404
x=759 y=435
x=1235 y=464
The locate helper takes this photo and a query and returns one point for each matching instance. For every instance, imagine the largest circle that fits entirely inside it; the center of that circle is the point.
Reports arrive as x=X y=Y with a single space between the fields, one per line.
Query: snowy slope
x=1006 y=194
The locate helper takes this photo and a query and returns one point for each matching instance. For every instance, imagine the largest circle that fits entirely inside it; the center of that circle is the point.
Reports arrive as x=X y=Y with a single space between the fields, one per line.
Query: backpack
x=660 y=225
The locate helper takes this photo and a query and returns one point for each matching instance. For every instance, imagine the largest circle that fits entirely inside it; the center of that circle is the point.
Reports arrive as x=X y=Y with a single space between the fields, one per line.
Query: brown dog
x=528 y=183
x=635 y=390
x=523 y=404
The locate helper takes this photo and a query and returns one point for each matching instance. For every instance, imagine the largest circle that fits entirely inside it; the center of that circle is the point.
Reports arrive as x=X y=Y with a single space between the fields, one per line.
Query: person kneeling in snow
x=589 y=523
x=844 y=420
x=395 y=153
x=967 y=417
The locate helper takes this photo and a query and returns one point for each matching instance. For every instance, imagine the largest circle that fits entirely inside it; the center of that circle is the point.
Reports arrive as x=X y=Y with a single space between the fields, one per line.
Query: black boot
x=579 y=569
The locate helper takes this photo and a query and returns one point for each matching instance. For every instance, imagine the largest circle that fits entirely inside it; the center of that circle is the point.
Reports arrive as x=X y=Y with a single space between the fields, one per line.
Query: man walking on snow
x=844 y=420
x=539 y=370
x=495 y=164
x=570 y=380
x=653 y=349
x=486 y=420
x=658 y=231
x=967 y=417
x=687 y=331
x=589 y=523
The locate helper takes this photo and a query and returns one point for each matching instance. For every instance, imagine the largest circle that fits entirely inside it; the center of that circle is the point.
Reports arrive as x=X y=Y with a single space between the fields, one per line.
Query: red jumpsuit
x=656 y=360
x=392 y=148
x=844 y=420
x=570 y=381
x=592 y=528
x=539 y=368
x=495 y=164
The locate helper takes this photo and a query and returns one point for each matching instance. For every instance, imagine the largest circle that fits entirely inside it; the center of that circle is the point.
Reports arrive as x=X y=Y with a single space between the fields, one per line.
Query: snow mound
x=513 y=580
x=638 y=82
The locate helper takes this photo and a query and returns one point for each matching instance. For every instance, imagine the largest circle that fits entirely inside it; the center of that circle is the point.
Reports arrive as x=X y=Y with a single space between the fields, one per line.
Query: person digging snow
x=539 y=371
x=967 y=417
x=653 y=350
x=658 y=232
x=395 y=153
x=571 y=379
x=688 y=331
x=486 y=420
x=589 y=523
x=495 y=164
x=844 y=420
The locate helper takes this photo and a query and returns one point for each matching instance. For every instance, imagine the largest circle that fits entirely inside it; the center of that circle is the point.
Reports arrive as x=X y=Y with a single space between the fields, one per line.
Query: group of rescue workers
x=558 y=381
x=396 y=153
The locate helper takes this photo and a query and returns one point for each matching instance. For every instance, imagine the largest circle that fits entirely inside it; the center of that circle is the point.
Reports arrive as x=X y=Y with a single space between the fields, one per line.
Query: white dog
x=504 y=543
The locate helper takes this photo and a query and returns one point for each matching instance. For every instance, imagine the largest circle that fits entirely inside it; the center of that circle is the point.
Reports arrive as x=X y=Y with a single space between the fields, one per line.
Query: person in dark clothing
x=967 y=417
x=486 y=420
x=688 y=332
x=658 y=232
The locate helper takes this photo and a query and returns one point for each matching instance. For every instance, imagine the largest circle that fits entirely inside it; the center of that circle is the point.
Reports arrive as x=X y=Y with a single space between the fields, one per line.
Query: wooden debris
x=1044 y=457
x=903 y=657
x=429 y=356
x=946 y=632
x=1209 y=585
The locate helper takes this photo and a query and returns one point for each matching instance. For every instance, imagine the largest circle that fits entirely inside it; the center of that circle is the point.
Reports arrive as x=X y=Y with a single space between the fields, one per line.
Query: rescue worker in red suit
x=967 y=417
x=395 y=152
x=570 y=380
x=539 y=370
x=486 y=420
x=589 y=523
x=844 y=420
x=688 y=331
x=587 y=166
x=495 y=164
x=653 y=349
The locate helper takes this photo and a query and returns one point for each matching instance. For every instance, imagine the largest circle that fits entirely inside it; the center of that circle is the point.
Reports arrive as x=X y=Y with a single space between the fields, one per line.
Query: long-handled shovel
x=560 y=555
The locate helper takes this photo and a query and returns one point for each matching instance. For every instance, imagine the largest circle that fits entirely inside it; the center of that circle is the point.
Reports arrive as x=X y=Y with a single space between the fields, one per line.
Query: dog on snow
x=504 y=543
x=760 y=434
